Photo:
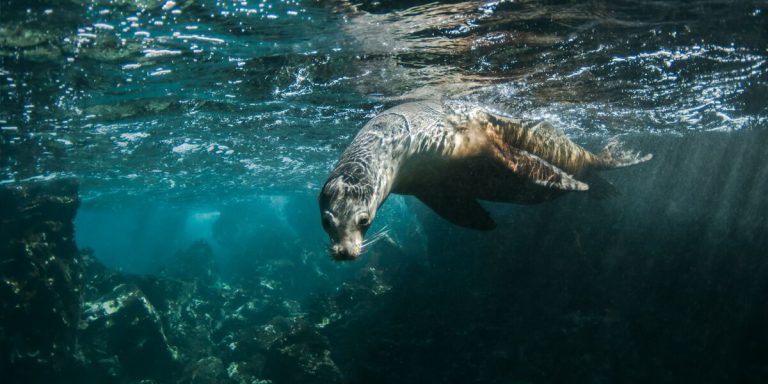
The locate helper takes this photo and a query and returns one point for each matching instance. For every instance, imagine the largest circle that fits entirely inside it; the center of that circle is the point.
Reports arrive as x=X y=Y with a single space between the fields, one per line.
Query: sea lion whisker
x=371 y=239
x=378 y=238
x=365 y=246
x=379 y=233
x=375 y=238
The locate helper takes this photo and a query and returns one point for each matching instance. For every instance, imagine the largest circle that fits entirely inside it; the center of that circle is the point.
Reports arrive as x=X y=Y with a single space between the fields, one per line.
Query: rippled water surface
x=191 y=99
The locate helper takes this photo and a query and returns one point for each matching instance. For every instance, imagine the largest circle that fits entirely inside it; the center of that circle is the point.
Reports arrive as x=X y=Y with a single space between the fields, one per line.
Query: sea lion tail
x=614 y=155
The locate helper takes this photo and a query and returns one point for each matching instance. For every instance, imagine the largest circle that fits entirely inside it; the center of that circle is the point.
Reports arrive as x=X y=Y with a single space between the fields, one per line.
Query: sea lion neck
x=375 y=155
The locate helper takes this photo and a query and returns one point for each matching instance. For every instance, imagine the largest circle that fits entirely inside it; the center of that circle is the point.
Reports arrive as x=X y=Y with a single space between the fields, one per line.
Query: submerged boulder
x=298 y=353
x=123 y=336
x=40 y=280
x=208 y=370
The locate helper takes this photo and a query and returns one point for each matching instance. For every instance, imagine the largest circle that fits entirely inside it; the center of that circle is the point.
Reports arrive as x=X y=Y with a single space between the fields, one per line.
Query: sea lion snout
x=346 y=239
x=346 y=250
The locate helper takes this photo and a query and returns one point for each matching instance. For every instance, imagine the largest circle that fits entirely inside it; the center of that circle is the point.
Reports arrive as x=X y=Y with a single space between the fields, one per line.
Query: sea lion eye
x=364 y=220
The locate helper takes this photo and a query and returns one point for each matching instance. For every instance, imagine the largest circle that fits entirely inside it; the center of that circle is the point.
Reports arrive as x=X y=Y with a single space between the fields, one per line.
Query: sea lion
x=450 y=154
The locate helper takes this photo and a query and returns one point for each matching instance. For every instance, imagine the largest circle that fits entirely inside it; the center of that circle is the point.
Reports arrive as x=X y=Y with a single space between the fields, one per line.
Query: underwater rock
x=191 y=313
x=354 y=297
x=128 y=109
x=130 y=5
x=98 y=279
x=40 y=279
x=20 y=41
x=122 y=335
x=299 y=354
x=208 y=370
x=284 y=350
x=110 y=48
x=15 y=36
x=181 y=315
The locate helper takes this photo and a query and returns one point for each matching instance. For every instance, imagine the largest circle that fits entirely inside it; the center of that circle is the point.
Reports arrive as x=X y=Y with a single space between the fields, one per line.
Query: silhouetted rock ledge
x=40 y=280
x=122 y=335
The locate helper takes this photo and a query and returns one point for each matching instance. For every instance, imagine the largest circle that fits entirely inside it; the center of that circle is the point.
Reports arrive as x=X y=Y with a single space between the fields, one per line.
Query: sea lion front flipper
x=459 y=210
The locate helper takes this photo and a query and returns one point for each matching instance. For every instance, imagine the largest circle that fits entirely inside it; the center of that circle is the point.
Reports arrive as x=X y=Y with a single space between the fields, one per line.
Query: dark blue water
x=218 y=121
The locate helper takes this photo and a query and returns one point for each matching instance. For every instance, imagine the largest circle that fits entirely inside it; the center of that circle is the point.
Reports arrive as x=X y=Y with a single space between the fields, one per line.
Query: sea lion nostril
x=343 y=254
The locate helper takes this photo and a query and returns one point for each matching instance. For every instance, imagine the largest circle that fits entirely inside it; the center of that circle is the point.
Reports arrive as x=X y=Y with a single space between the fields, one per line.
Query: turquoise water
x=219 y=121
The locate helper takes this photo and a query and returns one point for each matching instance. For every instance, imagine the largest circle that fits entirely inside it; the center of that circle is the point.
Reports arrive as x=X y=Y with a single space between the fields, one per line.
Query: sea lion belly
x=475 y=177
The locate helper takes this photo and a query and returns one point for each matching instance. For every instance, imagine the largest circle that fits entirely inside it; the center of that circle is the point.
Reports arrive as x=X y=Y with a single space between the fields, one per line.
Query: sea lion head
x=347 y=209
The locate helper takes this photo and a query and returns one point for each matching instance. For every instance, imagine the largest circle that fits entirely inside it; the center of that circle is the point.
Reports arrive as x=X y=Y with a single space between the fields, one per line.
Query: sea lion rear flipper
x=538 y=171
x=616 y=156
x=459 y=210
